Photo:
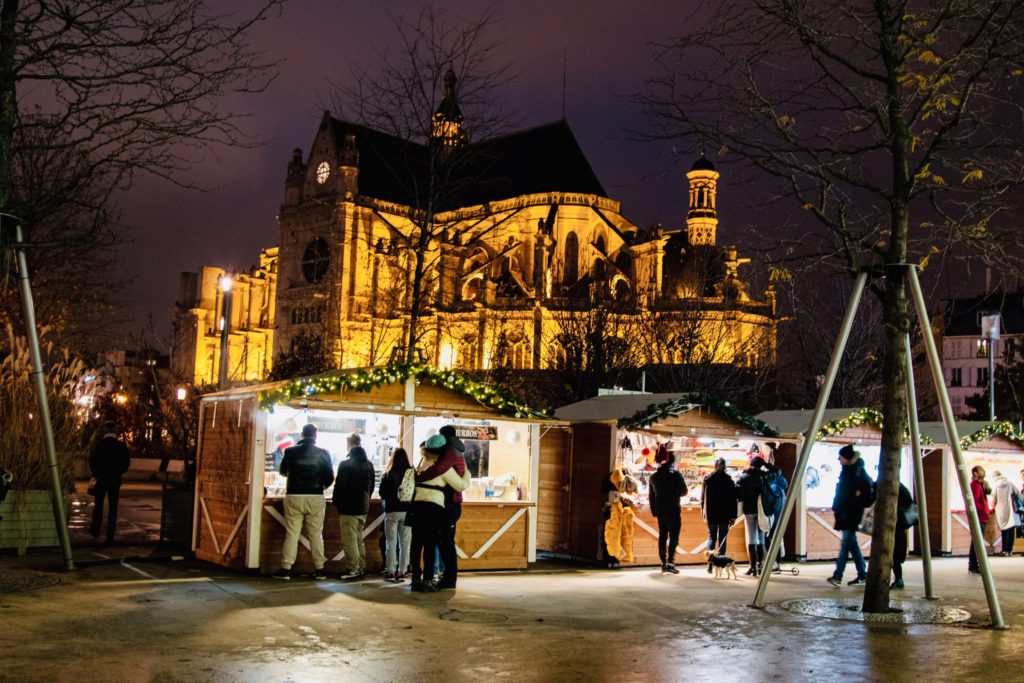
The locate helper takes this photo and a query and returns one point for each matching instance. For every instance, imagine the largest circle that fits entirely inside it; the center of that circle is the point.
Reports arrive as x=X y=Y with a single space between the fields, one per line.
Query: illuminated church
x=521 y=240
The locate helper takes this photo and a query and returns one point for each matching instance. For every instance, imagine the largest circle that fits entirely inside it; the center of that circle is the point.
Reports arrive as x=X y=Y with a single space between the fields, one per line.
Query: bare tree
x=418 y=93
x=93 y=92
x=894 y=124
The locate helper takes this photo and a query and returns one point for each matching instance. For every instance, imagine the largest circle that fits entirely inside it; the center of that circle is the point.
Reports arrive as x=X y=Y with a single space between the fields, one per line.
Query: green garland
x=1004 y=429
x=857 y=418
x=655 y=412
x=364 y=380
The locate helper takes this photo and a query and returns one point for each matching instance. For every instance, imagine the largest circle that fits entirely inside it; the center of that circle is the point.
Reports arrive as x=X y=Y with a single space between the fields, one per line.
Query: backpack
x=769 y=495
x=778 y=487
x=408 y=486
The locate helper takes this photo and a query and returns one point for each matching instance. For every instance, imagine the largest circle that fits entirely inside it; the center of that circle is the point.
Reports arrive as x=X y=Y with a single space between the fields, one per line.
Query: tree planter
x=27 y=521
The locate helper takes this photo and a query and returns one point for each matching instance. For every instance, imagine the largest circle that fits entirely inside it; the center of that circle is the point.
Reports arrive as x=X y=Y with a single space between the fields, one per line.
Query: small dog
x=721 y=565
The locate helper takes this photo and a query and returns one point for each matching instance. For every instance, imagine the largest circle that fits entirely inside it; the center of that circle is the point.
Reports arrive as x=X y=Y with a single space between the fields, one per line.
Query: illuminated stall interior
x=245 y=431
x=625 y=431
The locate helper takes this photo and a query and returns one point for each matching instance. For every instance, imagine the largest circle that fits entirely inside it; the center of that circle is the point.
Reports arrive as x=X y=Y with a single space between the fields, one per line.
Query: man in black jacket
x=352 y=489
x=108 y=462
x=854 y=492
x=309 y=472
x=718 y=503
x=667 y=486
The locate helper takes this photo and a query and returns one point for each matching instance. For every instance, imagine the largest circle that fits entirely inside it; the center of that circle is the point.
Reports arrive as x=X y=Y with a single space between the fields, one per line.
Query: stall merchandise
x=996 y=446
x=244 y=432
x=625 y=431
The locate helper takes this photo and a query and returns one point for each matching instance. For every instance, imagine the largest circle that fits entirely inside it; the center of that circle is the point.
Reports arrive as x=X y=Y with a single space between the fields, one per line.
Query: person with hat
x=108 y=462
x=453 y=458
x=309 y=472
x=667 y=486
x=352 y=489
x=855 y=492
x=428 y=512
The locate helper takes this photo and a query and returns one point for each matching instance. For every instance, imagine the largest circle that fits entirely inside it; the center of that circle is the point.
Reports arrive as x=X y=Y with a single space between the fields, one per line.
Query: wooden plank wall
x=693 y=538
x=933 y=485
x=28 y=520
x=591 y=462
x=222 y=479
x=478 y=524
x=785 y=458
x=553 y=493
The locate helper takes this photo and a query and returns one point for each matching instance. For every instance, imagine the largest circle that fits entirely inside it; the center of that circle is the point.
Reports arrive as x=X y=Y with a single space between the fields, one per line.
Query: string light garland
x=368 y=379
x=656 y=412
x=1003 y=429
x=858 y=418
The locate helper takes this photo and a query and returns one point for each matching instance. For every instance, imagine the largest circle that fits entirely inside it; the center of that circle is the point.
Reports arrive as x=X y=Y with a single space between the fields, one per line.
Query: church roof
x=543 y=159
x=703 y=164
x=691 y=269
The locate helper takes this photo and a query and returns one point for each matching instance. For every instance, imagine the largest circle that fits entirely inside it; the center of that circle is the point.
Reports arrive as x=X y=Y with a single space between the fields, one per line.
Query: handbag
x=867 y=522
x=909 y=515
x=763 y=523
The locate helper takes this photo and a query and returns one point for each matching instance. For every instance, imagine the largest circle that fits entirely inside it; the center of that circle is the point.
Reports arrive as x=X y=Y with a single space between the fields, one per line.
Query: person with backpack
x=855 y=492
x=904 y=520
x=777 y=490
x=396 y=489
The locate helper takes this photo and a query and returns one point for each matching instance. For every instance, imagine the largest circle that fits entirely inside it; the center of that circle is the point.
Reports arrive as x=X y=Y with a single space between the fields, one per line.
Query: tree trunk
x=8 y=99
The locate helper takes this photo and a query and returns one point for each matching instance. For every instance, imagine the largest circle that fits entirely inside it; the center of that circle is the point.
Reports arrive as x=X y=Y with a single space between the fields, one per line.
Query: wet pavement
x=131 y=612
x=149 y=619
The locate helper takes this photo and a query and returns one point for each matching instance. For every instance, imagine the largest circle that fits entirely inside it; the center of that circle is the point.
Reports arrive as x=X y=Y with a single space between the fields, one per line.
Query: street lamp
x=990 y=331
x=182 y=393
x=225 y=330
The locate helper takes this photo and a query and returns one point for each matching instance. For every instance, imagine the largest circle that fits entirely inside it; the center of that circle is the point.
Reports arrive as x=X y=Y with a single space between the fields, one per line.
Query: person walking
x=427 y=511
x=980 y=490
x=751 y=488
x=667 y=486
x=899 y=548
x=309 y=472
x=352 y=488
x=397 y=534
x=108 y=462
x=718 y=506
x=854 y=493
x=1005 y=510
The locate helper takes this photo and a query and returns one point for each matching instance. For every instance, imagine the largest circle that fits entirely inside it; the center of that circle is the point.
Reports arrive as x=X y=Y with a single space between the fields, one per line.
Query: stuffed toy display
x=618 y=530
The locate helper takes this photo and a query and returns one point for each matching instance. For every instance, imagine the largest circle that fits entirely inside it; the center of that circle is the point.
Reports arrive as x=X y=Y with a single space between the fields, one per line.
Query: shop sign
x=476 y=432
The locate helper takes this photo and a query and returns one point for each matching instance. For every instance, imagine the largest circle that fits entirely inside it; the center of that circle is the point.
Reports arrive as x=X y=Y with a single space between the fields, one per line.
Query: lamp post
x=990 y=331
x=225 y=331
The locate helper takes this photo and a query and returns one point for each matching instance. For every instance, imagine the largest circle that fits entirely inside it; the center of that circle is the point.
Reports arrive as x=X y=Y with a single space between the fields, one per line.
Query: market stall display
x=813 y=537
x=624 y=431
x=244 y=432
x=996 y=446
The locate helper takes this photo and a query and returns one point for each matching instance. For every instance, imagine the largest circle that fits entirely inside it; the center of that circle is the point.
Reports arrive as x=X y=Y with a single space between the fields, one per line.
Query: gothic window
x=572 y=258
x=466 y=357
x=621 y=293
x=315 y=260
x=471 y=291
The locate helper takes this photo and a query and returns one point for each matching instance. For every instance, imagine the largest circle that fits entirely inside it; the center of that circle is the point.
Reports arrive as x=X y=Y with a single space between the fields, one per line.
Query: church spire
x=702 y=216
x=447 y=122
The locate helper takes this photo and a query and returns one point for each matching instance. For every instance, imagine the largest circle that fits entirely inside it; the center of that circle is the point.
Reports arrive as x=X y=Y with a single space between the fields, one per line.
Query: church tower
x=702 y=217
x=447 y=122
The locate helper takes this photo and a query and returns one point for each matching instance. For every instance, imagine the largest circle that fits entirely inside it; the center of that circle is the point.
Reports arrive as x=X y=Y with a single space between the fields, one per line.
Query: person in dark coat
x=718 y=506
x=309 y=472
x=352 y=488
x=751 y=486
x=778 y=487
x=899 y=548
x=108 y=461
x=667 y=486
x=397 y=533
x=854 y=493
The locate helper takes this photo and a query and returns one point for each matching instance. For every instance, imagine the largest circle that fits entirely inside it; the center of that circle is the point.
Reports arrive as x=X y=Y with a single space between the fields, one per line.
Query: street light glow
x=225 y=283
x=181 y=393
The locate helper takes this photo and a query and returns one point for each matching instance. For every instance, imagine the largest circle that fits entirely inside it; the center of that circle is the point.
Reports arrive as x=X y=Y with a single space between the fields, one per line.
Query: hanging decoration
x=858 y=418
x=368 y=379
x=1003 y=429
x=656 y=412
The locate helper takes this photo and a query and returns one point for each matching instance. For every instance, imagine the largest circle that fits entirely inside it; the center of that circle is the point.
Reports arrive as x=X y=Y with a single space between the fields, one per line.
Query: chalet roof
x=793 y=422
x=612 y=407
x=543 y=159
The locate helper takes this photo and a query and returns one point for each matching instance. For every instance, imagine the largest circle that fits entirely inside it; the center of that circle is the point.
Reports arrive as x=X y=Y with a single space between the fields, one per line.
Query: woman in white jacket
x=428 y=516
x=1005 y=511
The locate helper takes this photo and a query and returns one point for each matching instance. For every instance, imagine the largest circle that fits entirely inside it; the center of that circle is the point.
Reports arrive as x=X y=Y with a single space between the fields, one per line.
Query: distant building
x=525 y=237
x=195 y=357
x=965 y=353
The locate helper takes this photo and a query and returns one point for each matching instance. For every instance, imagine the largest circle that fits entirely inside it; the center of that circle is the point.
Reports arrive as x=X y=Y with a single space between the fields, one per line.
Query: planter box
x=27 y=521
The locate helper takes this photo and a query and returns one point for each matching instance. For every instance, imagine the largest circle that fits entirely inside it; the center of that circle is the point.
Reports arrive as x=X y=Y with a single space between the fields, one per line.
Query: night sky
x=608 y=52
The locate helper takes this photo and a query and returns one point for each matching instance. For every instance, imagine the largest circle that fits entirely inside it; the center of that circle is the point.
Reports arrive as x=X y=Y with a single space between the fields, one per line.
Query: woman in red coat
x=980 y=490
